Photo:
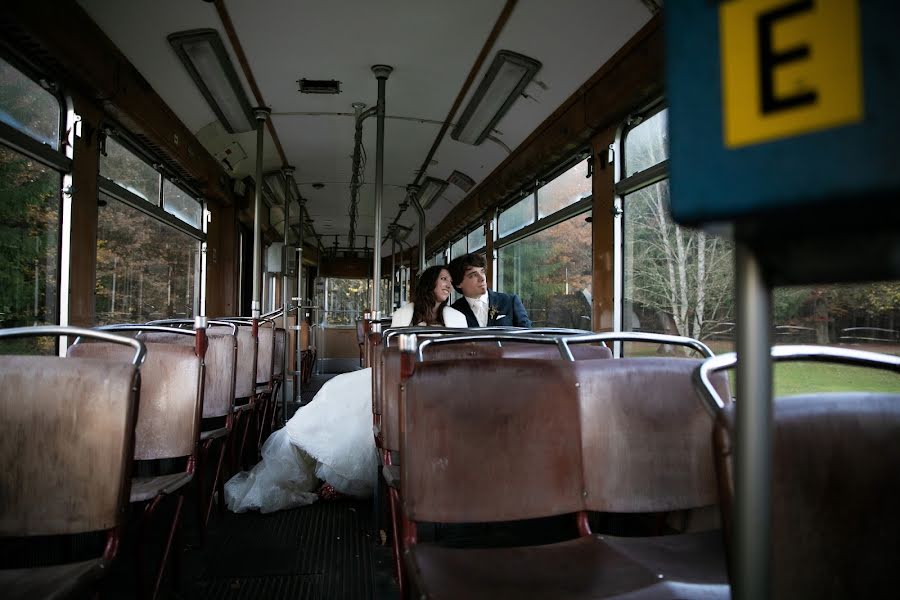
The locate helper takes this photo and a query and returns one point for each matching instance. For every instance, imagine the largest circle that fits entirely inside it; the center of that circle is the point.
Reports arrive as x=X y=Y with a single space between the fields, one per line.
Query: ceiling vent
x=320 y=86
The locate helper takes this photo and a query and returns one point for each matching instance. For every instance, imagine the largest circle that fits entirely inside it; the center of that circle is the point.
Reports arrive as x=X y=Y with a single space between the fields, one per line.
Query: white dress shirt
x=479 y=307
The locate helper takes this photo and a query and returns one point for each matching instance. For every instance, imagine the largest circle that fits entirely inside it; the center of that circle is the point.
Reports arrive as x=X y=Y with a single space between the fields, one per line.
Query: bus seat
x=494 y=440
x=168 y=426
x=218 y=402
x=66 y=450
x=500 y=440
x=244 y=391
x=835 y=493
x=265 y=381
x=265 y=353
x=278 y=358
x=646 y=442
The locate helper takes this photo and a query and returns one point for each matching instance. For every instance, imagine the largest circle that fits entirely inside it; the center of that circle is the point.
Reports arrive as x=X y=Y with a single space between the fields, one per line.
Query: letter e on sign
x=789 y=67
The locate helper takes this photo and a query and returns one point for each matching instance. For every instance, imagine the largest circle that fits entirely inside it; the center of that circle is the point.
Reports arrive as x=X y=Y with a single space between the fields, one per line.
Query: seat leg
x=233 y=445
x=143 y=526
x=218 y=480
x=202 y=458
x=394 y=500
x=168 y=548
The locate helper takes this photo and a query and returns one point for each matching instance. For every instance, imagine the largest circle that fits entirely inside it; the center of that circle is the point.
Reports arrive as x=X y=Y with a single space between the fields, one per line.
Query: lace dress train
x=329 y=439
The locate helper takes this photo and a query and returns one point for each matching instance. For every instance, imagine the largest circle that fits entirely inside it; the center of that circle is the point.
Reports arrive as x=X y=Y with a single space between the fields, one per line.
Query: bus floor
x=325 y=551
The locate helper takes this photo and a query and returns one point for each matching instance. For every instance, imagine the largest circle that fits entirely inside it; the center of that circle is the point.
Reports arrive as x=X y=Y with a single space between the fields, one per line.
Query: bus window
x=129 y=171
x=475 y=239
x=517 y=216
x=565 y=190
x=180 y=204
x=146 y=269
x=676 y=280
x=29 y=208
x=551 y=272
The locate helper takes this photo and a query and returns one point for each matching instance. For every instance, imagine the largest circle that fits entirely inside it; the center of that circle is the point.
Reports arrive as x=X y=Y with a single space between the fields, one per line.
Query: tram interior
x=211 y=208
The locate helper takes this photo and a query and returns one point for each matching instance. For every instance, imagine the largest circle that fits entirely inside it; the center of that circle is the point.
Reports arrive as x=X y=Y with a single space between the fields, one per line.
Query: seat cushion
x=580 y=568
x=689 y=558
x=678 y=566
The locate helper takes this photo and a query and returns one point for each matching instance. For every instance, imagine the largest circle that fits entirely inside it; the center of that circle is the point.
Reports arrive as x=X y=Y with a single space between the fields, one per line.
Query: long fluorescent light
x=431 y=191
x=207 y=62
x=503 y=82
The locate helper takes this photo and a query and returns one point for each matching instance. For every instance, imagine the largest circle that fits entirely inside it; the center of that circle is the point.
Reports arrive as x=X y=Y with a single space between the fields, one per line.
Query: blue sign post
x=780 y=104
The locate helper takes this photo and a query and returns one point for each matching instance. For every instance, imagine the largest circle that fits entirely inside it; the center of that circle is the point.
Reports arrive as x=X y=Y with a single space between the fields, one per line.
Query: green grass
x=805 y=377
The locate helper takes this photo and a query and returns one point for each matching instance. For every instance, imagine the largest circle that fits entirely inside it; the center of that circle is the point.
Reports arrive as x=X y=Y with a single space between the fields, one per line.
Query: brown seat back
x=66 y=448
x=266 y=352
x=390 y=398
x=278 y=359
x=218 y=389
x=835 y=493
x=218 y=397
x=377 y=382
x=646 y=436
x=491 y=440
x=169 y=411
x=243 y=382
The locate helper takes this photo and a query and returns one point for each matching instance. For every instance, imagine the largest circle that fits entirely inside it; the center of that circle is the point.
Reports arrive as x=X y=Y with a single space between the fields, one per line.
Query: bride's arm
x=402 y=317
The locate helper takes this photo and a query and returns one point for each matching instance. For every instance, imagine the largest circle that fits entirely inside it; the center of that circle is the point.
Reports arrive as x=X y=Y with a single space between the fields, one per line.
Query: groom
x=483 y=307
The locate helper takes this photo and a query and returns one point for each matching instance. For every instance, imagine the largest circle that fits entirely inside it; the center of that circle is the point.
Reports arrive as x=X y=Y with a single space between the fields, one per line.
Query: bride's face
x=443 y=286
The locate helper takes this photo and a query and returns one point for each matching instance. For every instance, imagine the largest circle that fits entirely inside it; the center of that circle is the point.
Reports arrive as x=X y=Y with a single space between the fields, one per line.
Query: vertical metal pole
x=262 y=114
x=288 y=173
x=381 y=73
x=298 y=380
x=413 y=191
x=393 y=270
x=753 y=452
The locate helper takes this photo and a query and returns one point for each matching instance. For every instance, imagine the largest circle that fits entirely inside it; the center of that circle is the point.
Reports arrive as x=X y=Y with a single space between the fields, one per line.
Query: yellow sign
x=788 y=67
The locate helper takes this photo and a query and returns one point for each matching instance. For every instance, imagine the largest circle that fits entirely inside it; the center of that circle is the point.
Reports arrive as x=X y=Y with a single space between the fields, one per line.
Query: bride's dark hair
x=424 y=300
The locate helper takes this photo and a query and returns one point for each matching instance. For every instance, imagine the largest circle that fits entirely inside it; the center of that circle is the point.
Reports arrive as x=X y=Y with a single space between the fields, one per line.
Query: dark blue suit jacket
x=507 y=308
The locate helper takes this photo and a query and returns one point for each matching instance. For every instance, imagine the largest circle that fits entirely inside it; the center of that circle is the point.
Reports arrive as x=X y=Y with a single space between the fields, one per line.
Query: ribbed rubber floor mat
x=318 y=551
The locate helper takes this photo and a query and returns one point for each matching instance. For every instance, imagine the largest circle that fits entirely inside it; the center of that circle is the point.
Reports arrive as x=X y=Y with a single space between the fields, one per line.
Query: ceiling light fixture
x=503 y=82
x=431 y=191
x=206 y=60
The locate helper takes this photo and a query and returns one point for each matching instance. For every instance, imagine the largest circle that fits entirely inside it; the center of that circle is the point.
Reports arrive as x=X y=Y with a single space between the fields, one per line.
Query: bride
x=330 y=439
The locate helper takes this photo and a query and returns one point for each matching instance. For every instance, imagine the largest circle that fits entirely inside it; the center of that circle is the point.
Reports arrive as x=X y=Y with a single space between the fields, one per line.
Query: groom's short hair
x=458 y=266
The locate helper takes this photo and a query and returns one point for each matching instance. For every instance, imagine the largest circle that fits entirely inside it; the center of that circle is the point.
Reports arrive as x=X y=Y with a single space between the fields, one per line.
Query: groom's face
x=474 y=283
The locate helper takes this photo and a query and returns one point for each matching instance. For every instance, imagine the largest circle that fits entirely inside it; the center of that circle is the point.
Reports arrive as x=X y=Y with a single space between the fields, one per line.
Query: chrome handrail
x=78 y=332
x=557 y=341
x=141 y=328
x=563 y=341
x=714 y=403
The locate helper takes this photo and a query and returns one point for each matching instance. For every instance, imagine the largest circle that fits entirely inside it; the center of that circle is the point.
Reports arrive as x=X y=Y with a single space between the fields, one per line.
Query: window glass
x=517 y=216
x=458 y=248
x=28 y=107
x=565 y=190
x=29 y=243
x=551 y=272
x=476 y=239
x=130 y=171
x=179 y=203
x=145 y=269
x=862 y=317
x=346 y=300
x=647 y=144
x=677 y=280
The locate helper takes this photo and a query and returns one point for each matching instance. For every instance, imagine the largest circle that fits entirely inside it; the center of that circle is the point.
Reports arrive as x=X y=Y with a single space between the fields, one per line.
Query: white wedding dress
x=329 y=439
